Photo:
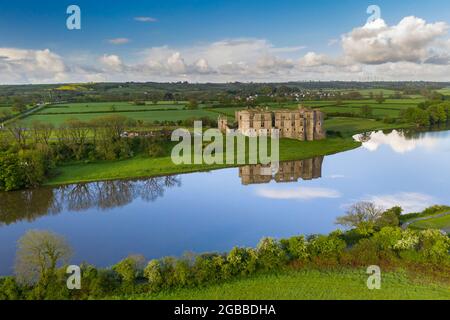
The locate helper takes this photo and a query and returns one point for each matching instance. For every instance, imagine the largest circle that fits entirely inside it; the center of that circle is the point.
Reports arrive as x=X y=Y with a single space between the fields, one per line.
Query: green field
x=310 y=285
x=174 y=111
x=439 y=222
x=351 y=126
x=142 y=166
x=151 y=116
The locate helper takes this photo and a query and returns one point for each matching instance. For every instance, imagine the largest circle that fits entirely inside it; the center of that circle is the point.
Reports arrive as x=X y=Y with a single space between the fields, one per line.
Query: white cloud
x=111 y=63
x=302 y=193
x=19 y=65
x=412 y=49
x=377 y=43
x=145 y=19
x=118 y=41
x=409 y=201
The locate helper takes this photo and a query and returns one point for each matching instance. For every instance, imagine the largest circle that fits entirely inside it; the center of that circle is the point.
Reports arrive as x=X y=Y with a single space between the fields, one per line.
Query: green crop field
x=169 y=115
x=106 y=107
x=309 y=285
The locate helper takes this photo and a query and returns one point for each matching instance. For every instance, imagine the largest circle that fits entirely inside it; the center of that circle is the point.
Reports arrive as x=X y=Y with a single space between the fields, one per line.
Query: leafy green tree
x=366 y=111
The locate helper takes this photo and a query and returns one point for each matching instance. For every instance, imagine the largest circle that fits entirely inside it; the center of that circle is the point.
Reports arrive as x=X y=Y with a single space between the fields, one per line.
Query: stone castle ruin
x=302 y=124
x=289 y=171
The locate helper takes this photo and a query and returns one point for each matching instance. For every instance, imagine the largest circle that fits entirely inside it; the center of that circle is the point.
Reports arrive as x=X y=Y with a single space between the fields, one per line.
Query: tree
x=362 y=216
x=39 y=254
x=380 y=98
x=193 y=104
x=366 y=111
x=19 y=106
x=130 y=268
x=390 y=218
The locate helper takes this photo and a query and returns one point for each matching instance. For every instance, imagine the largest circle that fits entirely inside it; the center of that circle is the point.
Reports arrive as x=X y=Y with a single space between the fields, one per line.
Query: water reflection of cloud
x=397 y=141
x=336 y=176
x=302 y=193
x=409 y=201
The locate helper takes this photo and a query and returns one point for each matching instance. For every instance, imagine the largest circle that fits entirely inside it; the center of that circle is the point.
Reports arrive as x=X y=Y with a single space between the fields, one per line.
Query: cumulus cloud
x=19 y=65
x=412 y=49
x=303 y=193
x=111 y=62
x=377 y=43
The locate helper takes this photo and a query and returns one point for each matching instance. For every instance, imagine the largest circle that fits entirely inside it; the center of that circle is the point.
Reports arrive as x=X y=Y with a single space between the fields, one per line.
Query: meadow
x=144 y=166
x=345 y=284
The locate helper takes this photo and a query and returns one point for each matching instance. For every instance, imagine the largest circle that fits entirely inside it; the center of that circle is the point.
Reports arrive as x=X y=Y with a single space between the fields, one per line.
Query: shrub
x=183 y=274
x=270 y=254
x=241 y=261
x=296 y=248
x=209 y=268
x=329 y=247
x=434 y=246
x=130 y=268
x=154 y=274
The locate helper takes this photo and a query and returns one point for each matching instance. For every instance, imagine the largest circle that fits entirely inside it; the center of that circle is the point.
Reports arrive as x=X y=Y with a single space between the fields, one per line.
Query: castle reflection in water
x=289 y=171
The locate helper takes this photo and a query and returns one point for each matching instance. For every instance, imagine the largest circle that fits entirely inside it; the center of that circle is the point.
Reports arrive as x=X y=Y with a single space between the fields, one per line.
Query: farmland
x=178 y=110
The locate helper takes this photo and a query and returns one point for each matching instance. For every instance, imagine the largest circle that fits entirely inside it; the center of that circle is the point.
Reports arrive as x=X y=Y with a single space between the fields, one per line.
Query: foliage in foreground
x=375 y=241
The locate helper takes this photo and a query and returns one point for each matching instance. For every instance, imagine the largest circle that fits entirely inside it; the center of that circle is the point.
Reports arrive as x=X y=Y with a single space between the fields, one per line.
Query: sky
x=222 y=41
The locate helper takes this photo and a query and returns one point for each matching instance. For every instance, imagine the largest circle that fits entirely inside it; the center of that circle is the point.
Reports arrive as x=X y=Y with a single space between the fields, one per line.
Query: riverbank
x=143 y=166
x=312 y=284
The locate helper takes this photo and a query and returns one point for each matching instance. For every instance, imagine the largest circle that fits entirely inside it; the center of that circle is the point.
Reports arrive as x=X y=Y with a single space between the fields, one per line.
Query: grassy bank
x=310 y=285
x=143 y=166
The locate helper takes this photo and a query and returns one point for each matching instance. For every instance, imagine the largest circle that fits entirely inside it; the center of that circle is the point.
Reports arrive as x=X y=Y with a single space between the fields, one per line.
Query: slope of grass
x=310 y=285
x=440 y=222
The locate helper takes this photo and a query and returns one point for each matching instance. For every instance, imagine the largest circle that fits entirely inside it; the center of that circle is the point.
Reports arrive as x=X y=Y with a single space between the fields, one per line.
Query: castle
x=289 y=171
x=301 y=124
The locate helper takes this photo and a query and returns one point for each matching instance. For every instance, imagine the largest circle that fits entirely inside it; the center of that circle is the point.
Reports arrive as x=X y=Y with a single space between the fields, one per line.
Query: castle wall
x=301 y=124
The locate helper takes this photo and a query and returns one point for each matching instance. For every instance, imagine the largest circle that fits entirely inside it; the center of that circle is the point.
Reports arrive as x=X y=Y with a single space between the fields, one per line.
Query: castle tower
x=222 y=123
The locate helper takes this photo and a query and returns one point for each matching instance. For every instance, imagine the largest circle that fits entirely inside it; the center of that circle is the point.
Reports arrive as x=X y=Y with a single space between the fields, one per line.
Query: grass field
x=143 y=166
x=310 y=285
x=174 y=111
x=442 y=223
x=169 y=115
x=351 y=126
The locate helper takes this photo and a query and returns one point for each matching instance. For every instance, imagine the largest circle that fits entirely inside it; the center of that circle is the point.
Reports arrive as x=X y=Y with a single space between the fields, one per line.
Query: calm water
x=106 y=221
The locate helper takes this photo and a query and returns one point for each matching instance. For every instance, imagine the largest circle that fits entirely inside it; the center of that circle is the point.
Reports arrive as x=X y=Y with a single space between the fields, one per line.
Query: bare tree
x=362 y=216
x=39 y=254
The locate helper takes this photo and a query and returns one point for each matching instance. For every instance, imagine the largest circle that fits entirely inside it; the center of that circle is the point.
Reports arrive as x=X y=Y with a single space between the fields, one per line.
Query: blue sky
x=190 y=27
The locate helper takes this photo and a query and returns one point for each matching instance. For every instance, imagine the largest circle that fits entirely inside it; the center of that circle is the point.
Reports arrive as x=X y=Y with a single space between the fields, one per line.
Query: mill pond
x=214 y=211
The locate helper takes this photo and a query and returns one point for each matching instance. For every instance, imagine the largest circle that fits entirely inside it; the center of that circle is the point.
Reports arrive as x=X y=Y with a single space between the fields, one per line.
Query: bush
x=130 y=268
x=270 y=254
x=328 y=247
x=434 y=246
x=241 y=261
x=209 y=268
x=296 y=248
x=154 y=274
